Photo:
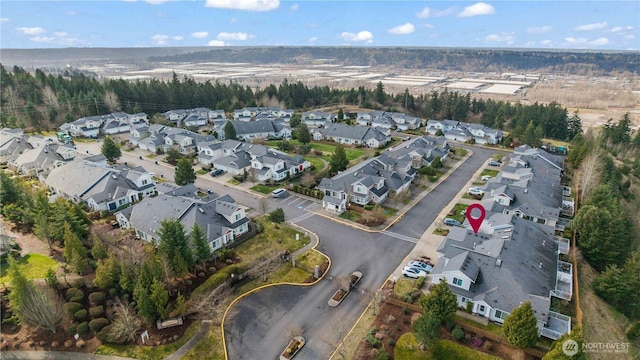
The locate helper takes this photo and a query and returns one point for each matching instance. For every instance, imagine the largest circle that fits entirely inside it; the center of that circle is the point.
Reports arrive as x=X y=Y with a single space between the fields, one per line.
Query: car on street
x=475 y=191
x=420 y=266
x=494 y=163
x=413 y=272
x=452 y=222
x=217 y=172
x=278 y=193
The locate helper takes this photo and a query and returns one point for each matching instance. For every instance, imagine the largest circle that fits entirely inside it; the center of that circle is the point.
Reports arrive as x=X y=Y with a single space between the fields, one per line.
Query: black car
x=217 y=172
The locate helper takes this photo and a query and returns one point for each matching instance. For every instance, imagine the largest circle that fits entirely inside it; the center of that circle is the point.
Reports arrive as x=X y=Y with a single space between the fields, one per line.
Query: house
x=485 y=135
x=352 y=135
x=175 y=116
x=261 y=129
x=318 y=118
x=85 y=127
x=100 y=187
x=160 y=138
x=40 y=161
x=465 y=132
x=209 y=151
x=509 y=261
x=405 y=122
x=459 y=134
x=12 y=148
x=444 y=125
x=195 y=119
x=115 y=125
x=265 y=113
x=220 y=218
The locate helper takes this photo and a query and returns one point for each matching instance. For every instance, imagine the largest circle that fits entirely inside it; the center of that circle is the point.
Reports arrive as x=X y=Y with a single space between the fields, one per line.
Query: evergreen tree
x=201 y=250
x=277 y=216
x=441 y=302
x=339 y=159
x=230 y=131
x=142 y=292
x=574 y=126
x=520 y=327
x=185 y=173
x=175 y=245
x=304 y=136
x=427 y=329
x=98 y=250
x=340 y=115
x=618 y=286
x=379 y=94
x=110 y=150
x=296 y=119
x=172 y=156
x=159 y=298
x=108 y=273
x=560 y=349
x=74 y=252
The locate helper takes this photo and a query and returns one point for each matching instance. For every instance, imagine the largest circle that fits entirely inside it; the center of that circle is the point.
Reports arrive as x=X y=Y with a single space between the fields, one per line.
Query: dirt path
x=29 y=243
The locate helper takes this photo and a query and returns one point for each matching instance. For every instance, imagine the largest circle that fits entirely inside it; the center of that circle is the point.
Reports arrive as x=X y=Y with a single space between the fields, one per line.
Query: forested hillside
x=45 y=101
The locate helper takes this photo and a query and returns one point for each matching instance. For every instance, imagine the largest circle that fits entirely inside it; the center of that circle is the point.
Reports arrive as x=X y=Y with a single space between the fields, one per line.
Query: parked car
x=475 y=191
x=413 y=272
x=494 y=163
x=278 y=193
x=452 y=222
x=217 y=172
x=420 y=266
x=486 y=177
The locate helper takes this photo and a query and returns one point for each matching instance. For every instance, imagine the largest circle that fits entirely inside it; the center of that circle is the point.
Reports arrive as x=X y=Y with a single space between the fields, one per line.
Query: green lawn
x=404 y=286
x=35 y=266
x=456 y=210
x=489 y=172
x=148 y=352
x=460 y=151
x=496 y=329
x=315 y=160
x=408 y=348
x=264 y=189
x=351 y=215
x=270 y=240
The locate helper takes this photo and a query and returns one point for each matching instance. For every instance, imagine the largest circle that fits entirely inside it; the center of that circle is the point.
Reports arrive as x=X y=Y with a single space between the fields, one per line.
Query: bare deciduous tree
x=589 y=173
x=126 y=324
x=111 y=101
x=49 y=97
x=308 y=179
x=263 y=205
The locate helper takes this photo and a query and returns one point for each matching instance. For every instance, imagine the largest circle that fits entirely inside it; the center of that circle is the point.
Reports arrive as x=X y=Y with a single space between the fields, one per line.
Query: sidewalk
x=58 y=355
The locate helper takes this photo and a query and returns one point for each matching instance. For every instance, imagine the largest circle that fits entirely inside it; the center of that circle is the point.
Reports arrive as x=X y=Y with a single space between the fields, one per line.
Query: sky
x=596 y=25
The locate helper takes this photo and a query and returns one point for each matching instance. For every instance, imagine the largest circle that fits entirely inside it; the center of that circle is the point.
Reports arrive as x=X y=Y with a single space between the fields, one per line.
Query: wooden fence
x=470 y=328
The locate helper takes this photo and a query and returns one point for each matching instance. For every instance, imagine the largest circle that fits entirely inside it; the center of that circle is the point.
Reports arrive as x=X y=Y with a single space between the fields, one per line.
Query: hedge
x=96 y=311
x=75 y=295
x=458 y=333
x=83 y=328
x=72 y=307
x=97 y=324
x=80 y=314
x=217 y=279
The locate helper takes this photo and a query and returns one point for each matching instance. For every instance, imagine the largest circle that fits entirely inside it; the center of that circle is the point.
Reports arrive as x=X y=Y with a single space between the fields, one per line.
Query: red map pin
x=475 y=219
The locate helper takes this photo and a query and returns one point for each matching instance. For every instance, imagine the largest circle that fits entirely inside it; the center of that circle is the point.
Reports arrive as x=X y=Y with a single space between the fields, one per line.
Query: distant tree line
x=582 y=63
x=45 y=101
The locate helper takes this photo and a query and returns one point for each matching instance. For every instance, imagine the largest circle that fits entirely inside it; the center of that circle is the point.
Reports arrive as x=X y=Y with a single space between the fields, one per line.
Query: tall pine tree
x=521 y=327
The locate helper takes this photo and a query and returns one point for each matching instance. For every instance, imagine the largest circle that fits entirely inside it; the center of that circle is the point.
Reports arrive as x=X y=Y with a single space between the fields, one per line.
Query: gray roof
x=252 y=127
x=239 y=160
x=346 y=131
x=527 y=269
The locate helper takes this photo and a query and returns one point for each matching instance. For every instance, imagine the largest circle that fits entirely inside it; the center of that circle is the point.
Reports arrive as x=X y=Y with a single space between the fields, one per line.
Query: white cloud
x=43 y=39
x=4 y=19
x=591 y=27
x=237 y=36
x=59 y=38
x=216 y=43
x=233 y=20
x=540 y=30
x=295 y=7
x=403 y=29
x=546 y=42
x=60 y=34
x=178 y=37
x=629 y=37
x=428 y=26
x=155 y=2
x=508 y=38
x=249 y=5
x=477 y=9
x=200 y=34
x=599 y=41
x=424 y=13
x=428 y=12
x=361 y=36
x=313 y=39
x=575 y=41
x=31 y=30
x=159 y=39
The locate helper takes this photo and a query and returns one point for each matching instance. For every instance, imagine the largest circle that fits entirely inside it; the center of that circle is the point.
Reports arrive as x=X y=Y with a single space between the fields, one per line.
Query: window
x=464 y=299
x=457 y=281
x=144 y=182
x=237 y=216
x=481 y=308
x=501 y=314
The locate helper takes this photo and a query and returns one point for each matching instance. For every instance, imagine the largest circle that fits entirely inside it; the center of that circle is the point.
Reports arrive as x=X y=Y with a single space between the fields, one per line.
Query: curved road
x=264 y=321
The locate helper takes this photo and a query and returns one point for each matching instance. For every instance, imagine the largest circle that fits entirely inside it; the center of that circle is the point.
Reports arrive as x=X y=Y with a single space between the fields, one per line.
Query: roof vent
x=540 y=265
x=498 y=262
x=201 y=210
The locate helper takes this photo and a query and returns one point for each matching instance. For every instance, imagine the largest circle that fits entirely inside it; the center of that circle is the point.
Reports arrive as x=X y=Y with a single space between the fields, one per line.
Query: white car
x=486 y=177
x=413 y=272
x=475 y=191
x=419 y=265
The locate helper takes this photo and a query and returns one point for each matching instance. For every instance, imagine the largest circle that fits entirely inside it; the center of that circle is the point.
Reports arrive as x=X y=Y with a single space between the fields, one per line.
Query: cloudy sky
x=599 y=25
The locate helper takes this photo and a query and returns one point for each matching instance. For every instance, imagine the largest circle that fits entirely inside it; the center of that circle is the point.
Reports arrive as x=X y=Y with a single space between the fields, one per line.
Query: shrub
x=104 y=335
x=72 y=307
x=72 y=329
x=75 y=295
x=113 y=292
x=383 y=355
x=97 y=324
x=96 y=311
x=469 y=307
x=259 y=228
x=97 y=298
x=450 y=324
x=80 y=314
x=83 y=328
x=457 y=333
x=405 y=310
x=390 y=341
x=634 y=331
x=420 y=282
x=371 y=340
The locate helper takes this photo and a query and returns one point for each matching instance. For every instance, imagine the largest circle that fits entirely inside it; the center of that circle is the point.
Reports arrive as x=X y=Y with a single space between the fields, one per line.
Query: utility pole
x=96 y=102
